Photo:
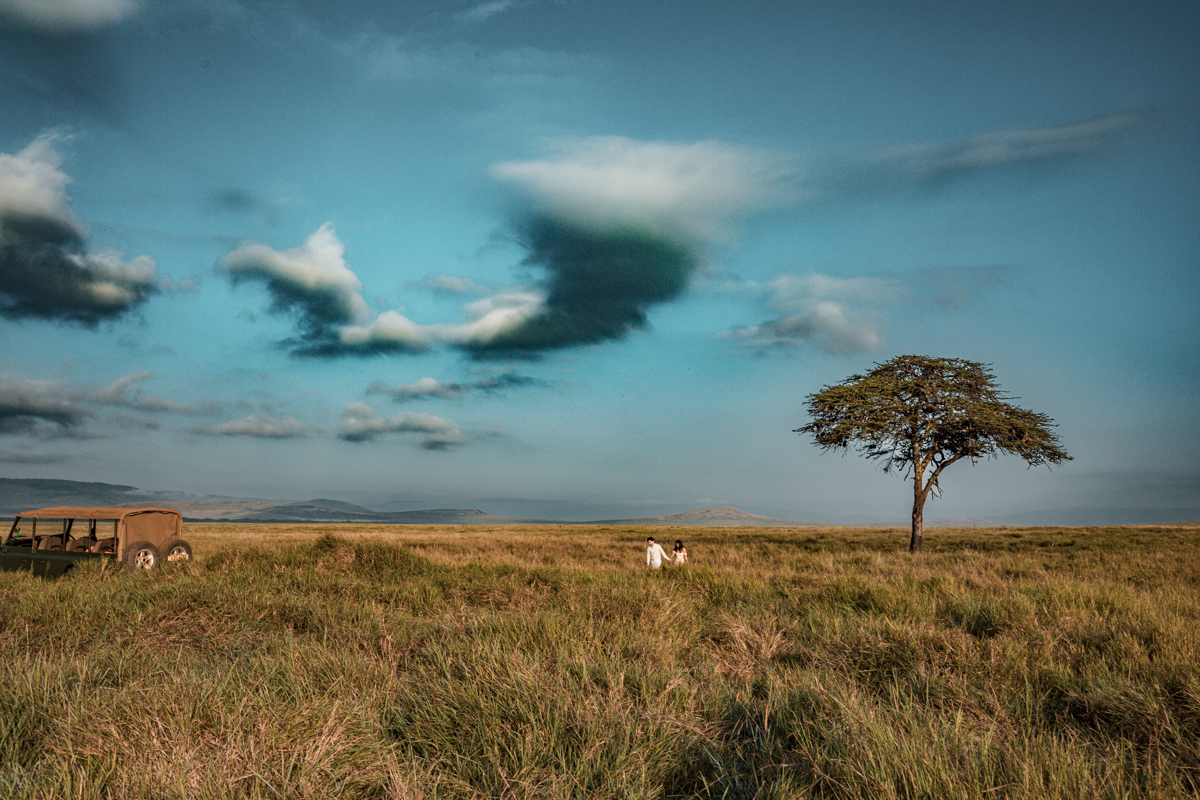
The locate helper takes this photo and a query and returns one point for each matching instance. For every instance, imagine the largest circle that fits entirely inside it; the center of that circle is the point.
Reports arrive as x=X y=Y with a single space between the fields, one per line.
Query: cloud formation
x=826 y=326
x=697 y=191
x=314 y=282
x=66 y=16
x=40 y=408
x=844 y=315
x=900 y=167
x=231 y=200
x=390 y=332
x=484 y=11
x=58 y=409
x=360 y=423
x=612 y=227
x=615 y=226
x=815 y=310
x=430 y=387
x=119 y=394
x=46 y=271
x=259 y=426
x=33 y=458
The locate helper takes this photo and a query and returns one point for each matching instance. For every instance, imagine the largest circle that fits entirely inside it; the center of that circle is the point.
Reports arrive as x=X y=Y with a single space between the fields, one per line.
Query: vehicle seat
x=51 y=542
x=104 y=546
x=79 y=545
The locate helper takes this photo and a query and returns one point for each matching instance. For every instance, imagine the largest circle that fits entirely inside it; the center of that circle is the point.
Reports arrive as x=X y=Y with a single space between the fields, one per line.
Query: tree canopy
x=919 y=415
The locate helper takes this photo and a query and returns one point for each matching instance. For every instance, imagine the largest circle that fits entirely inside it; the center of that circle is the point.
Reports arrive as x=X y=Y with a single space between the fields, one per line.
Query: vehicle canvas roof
x=97 y=512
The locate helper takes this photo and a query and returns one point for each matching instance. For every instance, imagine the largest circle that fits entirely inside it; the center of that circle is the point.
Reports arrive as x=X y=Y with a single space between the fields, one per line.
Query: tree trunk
x=918 y=516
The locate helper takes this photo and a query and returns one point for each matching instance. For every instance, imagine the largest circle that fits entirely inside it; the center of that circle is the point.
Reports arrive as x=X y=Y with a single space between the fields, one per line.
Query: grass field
x=526 y=662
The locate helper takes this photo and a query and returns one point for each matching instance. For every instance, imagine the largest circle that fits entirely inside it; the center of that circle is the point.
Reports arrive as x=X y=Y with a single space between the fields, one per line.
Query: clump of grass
x=406 y=662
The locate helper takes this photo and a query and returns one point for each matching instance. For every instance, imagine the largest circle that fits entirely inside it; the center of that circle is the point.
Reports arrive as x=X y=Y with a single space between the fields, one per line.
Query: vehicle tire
x=141 y=555
x=176 y=551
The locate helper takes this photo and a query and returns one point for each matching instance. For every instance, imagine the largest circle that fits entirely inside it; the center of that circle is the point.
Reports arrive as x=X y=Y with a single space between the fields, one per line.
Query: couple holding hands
x=655 y=555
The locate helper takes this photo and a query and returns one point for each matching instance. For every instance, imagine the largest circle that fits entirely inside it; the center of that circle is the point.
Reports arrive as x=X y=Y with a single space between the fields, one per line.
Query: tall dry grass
x=462 y=662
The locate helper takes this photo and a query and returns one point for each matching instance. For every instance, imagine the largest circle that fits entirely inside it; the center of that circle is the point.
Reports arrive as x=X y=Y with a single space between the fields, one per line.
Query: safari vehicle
x=51 y=541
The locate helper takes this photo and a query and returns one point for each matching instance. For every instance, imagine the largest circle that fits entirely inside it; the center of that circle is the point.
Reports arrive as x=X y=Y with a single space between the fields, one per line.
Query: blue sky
x=598 y=253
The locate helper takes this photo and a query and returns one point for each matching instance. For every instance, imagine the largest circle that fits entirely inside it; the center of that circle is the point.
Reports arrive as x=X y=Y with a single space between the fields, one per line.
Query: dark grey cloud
x=508 y=380
x=311 y=281
x=429 y=387
x=360 y=423
x=234 y=200
x=59 y=410
x=615 y=226
x=243 y=202
x=598 y=284
x=47 y=270
x=40 y=408
x=47 y=275
x=329 y=343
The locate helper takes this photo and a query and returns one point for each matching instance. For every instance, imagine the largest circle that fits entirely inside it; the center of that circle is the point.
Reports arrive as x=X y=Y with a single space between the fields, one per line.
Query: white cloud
x=844 y=315
x=484 y=11
x=491 y=317
x=360 y=423
x=425 y=387
x=390 y=330
x=313 y=277
x=699 y=189
x=826 y=326
x=796 y=292
x=816 y=311
x=46 y=270
x=32 y=184
x=65 y=16
x=260 y=426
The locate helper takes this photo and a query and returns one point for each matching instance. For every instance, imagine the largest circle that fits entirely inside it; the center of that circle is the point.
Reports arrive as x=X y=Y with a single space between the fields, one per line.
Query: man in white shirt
x=654 y=554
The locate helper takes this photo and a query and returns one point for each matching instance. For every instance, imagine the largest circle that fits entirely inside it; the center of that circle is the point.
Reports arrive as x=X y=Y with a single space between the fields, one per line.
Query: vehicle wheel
x=141 y=555
x=177 y=551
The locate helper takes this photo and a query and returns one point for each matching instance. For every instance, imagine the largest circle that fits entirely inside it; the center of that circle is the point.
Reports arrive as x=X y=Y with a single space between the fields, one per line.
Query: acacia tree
x=918 y=415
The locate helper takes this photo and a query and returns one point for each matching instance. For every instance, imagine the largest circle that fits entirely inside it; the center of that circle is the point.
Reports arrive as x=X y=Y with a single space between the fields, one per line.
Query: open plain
x=546 y=661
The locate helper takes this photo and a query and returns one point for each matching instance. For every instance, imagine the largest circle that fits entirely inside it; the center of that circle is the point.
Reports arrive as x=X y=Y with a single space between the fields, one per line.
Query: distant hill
x=302 y=512
x=338 y=505
x=719 y=516
x=207 y=509
x=24 y=494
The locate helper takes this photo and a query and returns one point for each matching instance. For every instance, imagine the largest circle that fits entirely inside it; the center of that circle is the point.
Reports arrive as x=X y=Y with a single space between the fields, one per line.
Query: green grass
x=458 y=662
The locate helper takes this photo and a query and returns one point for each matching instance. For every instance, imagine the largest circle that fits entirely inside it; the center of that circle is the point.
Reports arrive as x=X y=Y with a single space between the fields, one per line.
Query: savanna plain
x=341 y=661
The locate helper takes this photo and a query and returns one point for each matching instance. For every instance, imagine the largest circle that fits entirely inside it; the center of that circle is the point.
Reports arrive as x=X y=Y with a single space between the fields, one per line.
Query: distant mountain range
x=23 y=494
x=719 y=516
